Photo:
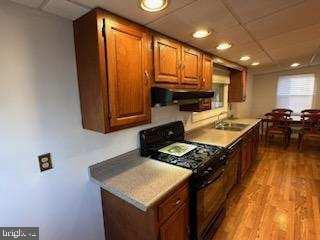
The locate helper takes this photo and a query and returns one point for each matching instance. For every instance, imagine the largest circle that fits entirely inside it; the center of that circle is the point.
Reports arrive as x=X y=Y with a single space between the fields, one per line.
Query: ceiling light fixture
x=224 y=46
x=153 y=5
x=255 y=63
x=201 y=33
x=244 y=58
x=295 y=65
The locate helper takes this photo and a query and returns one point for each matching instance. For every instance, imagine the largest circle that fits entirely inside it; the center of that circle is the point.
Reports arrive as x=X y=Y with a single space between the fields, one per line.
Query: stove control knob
x=206 y=172
x=209 y=169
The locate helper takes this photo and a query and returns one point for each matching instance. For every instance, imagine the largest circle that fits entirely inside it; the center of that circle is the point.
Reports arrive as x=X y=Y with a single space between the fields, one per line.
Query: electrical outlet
x=45 y=162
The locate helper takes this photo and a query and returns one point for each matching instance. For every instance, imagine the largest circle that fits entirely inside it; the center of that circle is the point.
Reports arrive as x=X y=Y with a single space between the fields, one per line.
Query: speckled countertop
x=223 y=138
x=137 y=180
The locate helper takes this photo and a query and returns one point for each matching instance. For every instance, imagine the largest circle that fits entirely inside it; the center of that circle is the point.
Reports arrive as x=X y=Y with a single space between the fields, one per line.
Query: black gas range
x=167 y=143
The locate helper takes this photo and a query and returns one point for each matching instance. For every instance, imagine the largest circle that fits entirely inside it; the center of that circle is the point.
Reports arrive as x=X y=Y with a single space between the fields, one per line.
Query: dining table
x=294 y=120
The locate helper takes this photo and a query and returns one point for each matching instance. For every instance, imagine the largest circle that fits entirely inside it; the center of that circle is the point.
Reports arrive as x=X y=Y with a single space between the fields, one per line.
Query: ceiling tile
x=30 y=3
x=239 y=50
x=235 y=35
x=130 y=9
x=294 y=50
x=65 y=9
x=302 y=35
x=249 y=10
x=300 y=16
x=201 y=14
x=251 y=49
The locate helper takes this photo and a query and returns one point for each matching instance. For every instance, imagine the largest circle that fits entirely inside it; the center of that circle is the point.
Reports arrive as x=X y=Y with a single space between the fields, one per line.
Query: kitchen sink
x=230 y=126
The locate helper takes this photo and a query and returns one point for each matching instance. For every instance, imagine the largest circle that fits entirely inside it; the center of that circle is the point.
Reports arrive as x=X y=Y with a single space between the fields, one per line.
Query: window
x=295 y=92
x=218 y=99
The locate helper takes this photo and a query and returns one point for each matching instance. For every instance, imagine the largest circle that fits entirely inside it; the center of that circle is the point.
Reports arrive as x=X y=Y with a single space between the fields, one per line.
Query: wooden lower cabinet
x=246 y=154
x=249 y=150
x=168 y=219
x=177 y=226
x=232 y=166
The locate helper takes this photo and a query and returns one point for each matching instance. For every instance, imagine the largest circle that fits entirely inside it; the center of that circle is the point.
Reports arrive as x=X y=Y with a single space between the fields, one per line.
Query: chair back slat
x=278 y=119
x=282 y=110
x=308 y=111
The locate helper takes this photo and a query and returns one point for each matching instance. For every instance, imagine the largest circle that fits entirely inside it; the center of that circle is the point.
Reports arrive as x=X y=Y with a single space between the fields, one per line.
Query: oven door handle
x=212 y=179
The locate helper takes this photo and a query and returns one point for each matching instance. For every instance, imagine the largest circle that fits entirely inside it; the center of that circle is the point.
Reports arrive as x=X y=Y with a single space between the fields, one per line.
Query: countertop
x=138 y=180
x=223 y=138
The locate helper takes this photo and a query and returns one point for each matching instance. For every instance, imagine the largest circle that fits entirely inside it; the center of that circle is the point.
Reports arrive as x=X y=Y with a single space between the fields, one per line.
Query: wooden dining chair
x=282 y=110
x=279 y=125
x=308 y=111
x=310 y=128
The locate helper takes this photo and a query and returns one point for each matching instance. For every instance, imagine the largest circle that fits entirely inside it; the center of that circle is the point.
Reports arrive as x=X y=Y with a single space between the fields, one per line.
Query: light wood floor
x=279 y=199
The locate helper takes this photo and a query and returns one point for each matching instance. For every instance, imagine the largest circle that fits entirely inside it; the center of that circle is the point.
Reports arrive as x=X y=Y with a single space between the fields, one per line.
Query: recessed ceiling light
x=244 y=58
x=224 y=46
x=201 y=33
x=153 y=5
x=295 y=64
x=255 y=63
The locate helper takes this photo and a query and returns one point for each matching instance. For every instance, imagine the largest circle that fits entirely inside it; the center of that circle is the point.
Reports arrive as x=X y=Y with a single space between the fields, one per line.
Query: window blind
x=295 y=92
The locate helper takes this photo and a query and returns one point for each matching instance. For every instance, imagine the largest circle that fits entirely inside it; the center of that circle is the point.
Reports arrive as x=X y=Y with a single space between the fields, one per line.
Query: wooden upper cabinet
x=177 y=65
x=207 y=72
x=167 y=61
x=238 y=86
x=190 y=67
x=128 y=74
x=114 y=71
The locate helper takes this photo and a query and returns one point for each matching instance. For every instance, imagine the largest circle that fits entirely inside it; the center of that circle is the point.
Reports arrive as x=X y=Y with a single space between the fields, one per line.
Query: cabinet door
x=238 y=86
x=191 y=67
x=177 y=226
x=128 y=74
x=207 y=71
x=256 y=135
x=167 y=61
x=232 y=169
x=244 y=157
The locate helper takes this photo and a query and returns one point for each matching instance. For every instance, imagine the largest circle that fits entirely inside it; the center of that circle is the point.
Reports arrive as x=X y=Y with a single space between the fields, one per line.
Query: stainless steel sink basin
x=230 y=126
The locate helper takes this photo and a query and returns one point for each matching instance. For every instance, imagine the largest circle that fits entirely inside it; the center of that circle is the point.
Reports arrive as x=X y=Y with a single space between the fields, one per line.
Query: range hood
x=164 y=96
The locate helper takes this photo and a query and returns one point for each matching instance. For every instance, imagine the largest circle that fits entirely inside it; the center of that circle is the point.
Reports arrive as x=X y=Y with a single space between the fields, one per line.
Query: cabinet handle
x=178 y=202
x=148 y=77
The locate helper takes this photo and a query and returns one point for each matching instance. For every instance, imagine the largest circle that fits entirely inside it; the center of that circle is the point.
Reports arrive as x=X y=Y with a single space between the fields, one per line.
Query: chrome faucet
x=219 y=121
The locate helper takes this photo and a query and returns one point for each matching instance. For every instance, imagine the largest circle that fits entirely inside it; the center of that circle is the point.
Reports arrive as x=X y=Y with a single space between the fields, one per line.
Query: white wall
x=39 y=113
x=265 y=89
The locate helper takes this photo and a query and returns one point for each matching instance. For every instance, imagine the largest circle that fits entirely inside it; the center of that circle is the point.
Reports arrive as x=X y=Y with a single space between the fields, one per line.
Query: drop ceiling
x=272 y=32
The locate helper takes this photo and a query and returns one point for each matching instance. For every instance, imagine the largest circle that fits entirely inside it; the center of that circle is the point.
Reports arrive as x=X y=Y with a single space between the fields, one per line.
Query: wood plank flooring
x=279 y=199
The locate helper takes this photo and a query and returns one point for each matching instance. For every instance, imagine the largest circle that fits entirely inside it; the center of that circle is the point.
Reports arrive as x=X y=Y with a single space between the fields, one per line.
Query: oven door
x=210 y=200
